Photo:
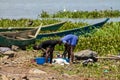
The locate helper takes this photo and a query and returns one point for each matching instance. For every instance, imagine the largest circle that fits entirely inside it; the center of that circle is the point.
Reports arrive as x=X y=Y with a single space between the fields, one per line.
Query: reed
x=81 y=14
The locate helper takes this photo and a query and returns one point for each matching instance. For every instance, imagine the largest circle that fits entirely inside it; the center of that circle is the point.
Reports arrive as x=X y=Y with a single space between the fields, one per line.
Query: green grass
x=25 y=22
x=105 y=40
x=103 y=69
x=81 y=14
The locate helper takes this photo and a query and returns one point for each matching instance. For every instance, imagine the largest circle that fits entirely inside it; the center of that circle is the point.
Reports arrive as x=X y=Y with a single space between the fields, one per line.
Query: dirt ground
x=18 y=67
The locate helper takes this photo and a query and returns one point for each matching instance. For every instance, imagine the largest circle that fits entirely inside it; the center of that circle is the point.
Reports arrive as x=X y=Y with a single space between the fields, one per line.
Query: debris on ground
x=86 y=62
x=86 y=54
x=36 y=71
x=4 y=49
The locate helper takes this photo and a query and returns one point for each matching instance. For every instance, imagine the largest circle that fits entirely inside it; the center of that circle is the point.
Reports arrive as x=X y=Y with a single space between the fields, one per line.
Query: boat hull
x=7 y=42
x=76 y=31
x=51 y=27
x=20 y=39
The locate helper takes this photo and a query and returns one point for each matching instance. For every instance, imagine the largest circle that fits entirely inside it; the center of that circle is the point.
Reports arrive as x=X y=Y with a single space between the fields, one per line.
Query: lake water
x=31 y=8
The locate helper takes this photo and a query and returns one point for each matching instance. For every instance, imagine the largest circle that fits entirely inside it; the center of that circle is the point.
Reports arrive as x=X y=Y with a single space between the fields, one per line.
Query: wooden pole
x=114 y=58
x=38 y=30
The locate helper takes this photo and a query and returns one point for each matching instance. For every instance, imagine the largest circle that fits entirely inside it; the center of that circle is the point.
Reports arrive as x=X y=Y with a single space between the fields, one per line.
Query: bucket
x=41 y=60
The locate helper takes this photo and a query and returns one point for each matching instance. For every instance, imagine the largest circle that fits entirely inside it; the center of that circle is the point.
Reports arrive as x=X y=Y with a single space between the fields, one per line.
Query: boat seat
x=20 y=38
x=31 y=36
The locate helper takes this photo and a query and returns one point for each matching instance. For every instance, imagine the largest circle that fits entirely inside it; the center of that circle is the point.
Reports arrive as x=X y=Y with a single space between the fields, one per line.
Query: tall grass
x=25 y=22
x=81 y=14
x=104 y=41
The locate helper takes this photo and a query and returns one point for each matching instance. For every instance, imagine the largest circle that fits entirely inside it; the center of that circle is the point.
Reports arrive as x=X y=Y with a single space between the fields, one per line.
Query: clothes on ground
x=85 y=62
x=70 y=39
x=60 y=61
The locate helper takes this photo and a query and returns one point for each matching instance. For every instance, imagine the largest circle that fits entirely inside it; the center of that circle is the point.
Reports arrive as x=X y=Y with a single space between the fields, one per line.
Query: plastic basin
x=41 y=60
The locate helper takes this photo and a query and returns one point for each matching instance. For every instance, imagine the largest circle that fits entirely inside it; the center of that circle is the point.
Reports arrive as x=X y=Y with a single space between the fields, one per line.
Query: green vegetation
x=24 y=22
x=105 y=41
x=81 y=14
x=35 y=23
x=102 y=70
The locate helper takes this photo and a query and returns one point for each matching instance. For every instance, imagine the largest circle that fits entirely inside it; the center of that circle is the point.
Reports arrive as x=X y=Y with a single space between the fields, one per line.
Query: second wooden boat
x=76 y=31
x=51 y=27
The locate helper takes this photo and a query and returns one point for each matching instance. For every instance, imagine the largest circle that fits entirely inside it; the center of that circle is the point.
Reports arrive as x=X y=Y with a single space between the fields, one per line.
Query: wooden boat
x=51 y=27
x=21 y=38
x=76 y=31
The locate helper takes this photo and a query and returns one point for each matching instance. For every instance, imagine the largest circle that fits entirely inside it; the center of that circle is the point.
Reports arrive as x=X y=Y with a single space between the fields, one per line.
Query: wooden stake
x=115 y=58
x=38 y=30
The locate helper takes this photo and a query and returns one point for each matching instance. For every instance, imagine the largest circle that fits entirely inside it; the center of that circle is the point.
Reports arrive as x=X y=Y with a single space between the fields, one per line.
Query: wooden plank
x=20 y=38
x=31 y=36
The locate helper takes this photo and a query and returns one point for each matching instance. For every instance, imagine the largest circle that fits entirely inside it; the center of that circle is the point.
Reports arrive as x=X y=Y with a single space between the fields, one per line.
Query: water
x=32 y=8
